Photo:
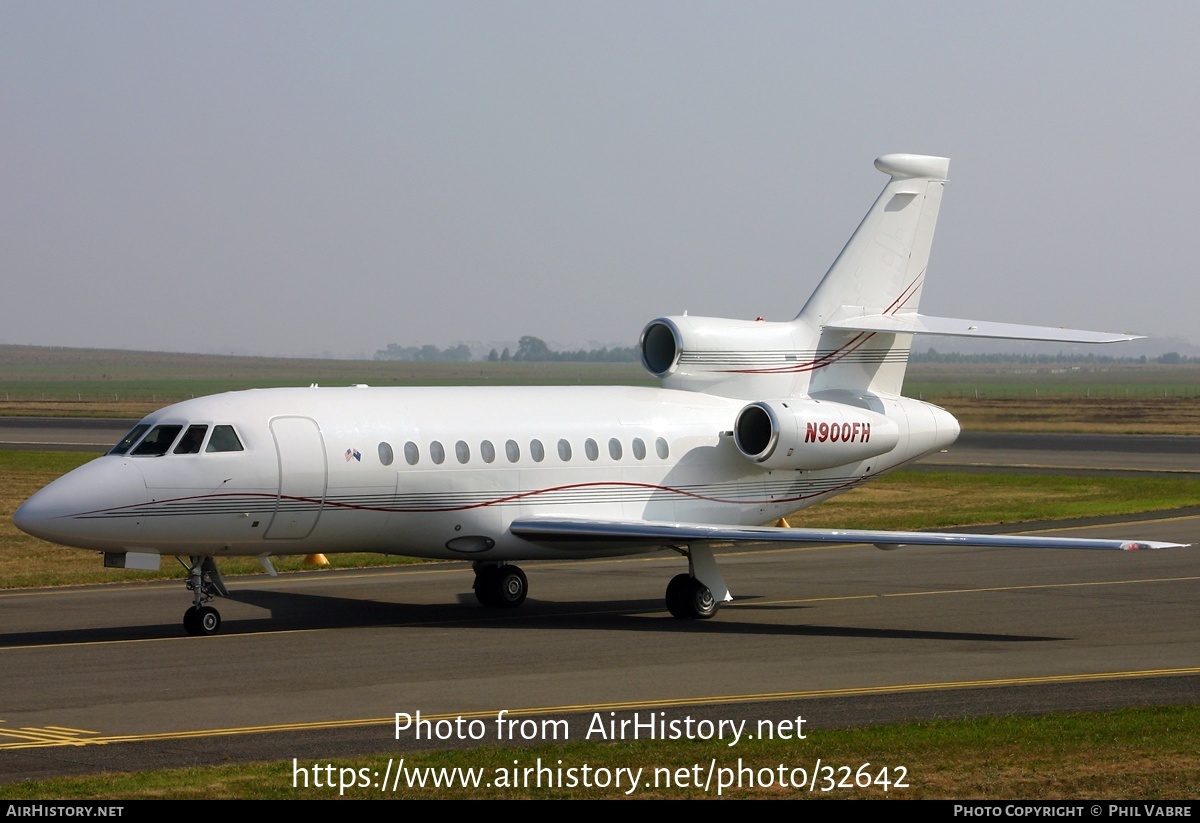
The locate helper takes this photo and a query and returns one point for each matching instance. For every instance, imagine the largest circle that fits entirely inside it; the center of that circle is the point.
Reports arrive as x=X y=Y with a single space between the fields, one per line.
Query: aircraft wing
x=649 y=533
x=954 y=327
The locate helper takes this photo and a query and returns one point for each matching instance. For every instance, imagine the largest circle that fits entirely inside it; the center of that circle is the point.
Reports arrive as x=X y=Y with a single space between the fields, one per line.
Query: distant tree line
x=424 y=354
x=530 y=349
x=934 y=356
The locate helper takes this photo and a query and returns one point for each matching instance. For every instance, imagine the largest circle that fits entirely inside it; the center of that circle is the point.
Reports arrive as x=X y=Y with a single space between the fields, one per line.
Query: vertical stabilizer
x=880 y=271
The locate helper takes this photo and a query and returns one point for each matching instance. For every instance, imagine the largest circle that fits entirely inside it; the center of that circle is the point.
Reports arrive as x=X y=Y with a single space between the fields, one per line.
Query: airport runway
x=62 y=433
x=316 y=665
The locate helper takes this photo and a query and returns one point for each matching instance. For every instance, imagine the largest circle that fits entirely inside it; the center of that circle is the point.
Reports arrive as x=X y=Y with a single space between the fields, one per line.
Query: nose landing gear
x=204 y=581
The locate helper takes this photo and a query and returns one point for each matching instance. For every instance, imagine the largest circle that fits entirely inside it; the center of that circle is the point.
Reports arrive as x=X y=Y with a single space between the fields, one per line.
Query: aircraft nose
x=92 y=507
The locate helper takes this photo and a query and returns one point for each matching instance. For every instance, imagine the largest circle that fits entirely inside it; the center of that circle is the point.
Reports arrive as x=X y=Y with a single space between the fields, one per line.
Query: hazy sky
x=298 y=178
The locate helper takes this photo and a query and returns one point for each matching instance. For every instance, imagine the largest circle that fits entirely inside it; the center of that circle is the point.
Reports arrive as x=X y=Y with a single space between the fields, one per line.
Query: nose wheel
x=204 y=582
x=202 y=620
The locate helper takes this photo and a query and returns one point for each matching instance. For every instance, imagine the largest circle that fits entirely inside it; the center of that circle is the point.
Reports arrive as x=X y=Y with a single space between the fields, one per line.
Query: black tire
x=191 y=621
x=485 y=586
x=689 y=599
x=677 y=596
x=202 y=620
x=501 y=587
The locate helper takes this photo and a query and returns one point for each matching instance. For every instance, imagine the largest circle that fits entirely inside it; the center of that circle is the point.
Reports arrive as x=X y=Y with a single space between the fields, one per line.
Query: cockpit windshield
x=129 y=439
x=156 y=443
x=224 y=439
x=191 y=440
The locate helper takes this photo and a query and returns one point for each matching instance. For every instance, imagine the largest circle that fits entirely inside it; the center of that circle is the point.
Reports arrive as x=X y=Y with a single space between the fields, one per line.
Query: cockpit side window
x=157 y=441
x=224 y=439
x=129 y=439
x=191 y=440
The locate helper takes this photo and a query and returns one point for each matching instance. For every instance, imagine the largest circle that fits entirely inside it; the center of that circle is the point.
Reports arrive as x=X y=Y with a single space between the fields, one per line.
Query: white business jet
x=754 y=420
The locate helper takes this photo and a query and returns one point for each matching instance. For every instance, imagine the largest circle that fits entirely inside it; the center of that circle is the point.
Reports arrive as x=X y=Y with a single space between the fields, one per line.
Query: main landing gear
x=689 y=599
x=204 y=581
x=500 y=586
x=698 y=594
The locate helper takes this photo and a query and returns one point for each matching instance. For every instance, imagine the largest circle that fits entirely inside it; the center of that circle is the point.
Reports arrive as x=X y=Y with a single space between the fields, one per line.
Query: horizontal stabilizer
x=954 y=327
x=650 y=533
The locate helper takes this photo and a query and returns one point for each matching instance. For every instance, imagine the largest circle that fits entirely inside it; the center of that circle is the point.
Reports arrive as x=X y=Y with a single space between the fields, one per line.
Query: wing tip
x=1139 y=545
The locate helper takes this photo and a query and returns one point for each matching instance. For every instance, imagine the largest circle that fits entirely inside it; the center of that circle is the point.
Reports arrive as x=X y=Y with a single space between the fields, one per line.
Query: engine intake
x=660 y=348
x=733 y=358
x=811 y=434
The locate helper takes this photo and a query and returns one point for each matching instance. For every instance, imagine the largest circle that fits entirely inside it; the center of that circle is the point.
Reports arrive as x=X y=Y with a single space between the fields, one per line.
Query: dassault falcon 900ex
x=754 y=420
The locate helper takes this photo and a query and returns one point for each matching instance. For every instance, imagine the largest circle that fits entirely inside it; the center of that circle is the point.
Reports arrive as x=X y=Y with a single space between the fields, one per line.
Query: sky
x=298 y=178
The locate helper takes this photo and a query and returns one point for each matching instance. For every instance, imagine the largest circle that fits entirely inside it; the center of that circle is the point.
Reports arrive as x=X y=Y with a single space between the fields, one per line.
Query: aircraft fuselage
x=443 y=472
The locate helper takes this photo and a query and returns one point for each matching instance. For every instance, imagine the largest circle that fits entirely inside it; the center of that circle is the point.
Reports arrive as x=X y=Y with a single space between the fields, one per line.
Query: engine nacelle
x=811 y=434
x=734 y=358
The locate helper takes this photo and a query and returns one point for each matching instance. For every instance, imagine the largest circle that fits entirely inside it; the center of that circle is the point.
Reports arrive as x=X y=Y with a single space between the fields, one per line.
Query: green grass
x=940 y=500
x=1128 y=754
x=1013 y=380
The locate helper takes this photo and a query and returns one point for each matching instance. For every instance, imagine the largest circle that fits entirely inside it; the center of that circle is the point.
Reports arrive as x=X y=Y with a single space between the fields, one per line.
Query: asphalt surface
x=1074 y=453
x=316 y=665
x=62 y=433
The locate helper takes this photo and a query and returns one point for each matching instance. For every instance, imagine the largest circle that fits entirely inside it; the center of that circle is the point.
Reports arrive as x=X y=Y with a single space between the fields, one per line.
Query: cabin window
x=614 y=449
x=536 y=451
x=191 y=440
x=564 y=450
x=591 y=449
x=462 y=451
x=639 y=448
x=157 y=441
x=385 y=454
x=487 y=451
x=411 y=453
x=223 y=439
x=436 y=453
x=512 y=451
x=129 y=439
x=660 y=446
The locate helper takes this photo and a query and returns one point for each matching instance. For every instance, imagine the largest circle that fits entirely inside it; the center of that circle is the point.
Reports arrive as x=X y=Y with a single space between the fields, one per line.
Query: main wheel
x=702 y=602
x=689 y=599
x=204 y=620
x=501 y=586
x=677 y=595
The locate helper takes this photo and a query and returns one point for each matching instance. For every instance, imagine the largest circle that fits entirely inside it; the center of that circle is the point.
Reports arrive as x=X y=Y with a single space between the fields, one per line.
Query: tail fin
x=855 y=332
x=880 y=272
